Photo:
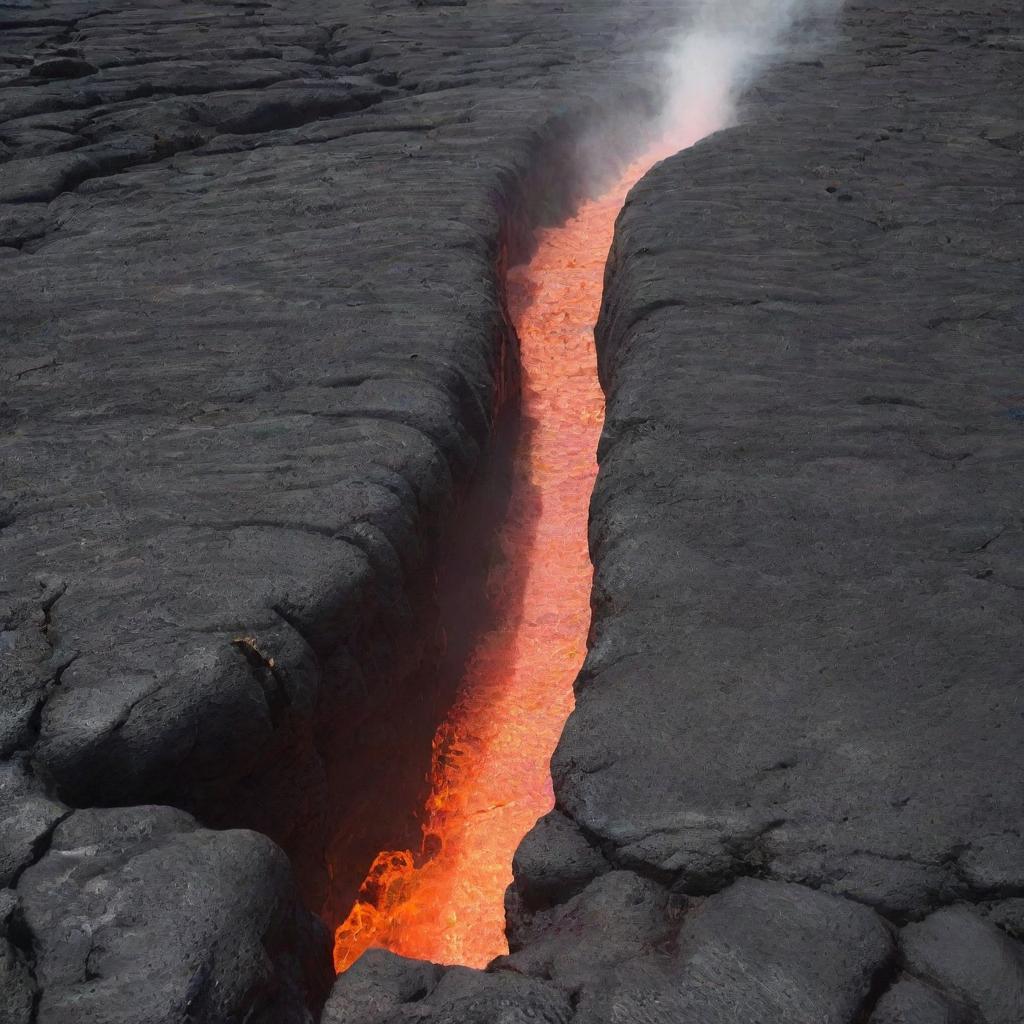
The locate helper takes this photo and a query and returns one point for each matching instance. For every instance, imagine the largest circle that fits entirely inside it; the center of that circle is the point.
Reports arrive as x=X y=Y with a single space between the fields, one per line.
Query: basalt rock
x=378 y=985
x=760 y=951
x=625 y=949
x=910 y=1001
x=970 y=958
x=27 y=820
x=254 y=349
x=806 y=646
x=139 y=914
x=618 y=917
x=553 y=862
x=382 y=988
x=17 y=985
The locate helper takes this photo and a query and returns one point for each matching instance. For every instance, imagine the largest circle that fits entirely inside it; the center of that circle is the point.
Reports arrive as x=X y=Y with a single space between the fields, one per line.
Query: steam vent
x=511 y=512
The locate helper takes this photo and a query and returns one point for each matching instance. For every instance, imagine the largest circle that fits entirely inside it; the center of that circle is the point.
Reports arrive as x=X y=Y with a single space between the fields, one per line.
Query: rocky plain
x=254 y=349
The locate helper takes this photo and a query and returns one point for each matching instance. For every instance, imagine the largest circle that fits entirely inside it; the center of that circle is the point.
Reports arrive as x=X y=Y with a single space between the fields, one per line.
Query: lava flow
x=491 y=776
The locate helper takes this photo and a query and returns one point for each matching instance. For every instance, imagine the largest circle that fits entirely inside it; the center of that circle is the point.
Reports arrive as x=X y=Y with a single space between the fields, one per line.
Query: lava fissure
x=522 y=643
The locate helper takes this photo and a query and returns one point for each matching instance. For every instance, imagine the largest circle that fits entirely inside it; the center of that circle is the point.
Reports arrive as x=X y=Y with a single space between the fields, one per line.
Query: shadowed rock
x=382 y=988
x=618 y=917
x=553 y=862
x=139 y=914
x=17 y=986
x=969 y=958
x=910 y=1001
x=27 y=820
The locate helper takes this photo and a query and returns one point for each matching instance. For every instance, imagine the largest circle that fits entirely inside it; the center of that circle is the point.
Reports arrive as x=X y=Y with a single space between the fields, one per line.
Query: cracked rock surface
x=791 y=790
x=807 y=528
x=133 y=901
x=253 y=348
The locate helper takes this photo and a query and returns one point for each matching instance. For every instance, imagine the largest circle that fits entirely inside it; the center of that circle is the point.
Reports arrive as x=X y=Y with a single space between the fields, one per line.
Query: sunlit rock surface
x=806 y=654
x=253 y=347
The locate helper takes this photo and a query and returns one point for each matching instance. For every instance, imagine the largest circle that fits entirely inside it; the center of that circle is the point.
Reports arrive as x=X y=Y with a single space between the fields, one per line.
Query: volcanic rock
x=618 y=917
x=378 y=985
x=254 y=348
x=911 y=1002
x=17 y=986
x=139 y=914
x=27 y=820
x=806 y=647
x=553 y=862
x=382 y=988
x=970 y=958
x=760 y=951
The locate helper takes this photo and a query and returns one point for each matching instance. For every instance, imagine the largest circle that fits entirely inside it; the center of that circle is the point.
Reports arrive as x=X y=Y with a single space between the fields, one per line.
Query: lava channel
x=490 y=777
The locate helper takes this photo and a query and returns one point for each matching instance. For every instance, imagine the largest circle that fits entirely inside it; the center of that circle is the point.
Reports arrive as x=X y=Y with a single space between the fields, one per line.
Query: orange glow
x=491 y=774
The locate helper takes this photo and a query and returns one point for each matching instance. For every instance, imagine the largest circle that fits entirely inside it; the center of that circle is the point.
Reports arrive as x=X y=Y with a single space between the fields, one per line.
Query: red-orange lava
x=491 y=772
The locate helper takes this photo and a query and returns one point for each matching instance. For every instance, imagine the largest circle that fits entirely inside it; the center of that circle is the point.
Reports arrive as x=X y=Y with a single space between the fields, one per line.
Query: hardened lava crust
x=254 y=346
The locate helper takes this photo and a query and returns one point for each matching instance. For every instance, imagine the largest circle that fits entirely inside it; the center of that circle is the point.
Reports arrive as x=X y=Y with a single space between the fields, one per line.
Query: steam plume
x=721 y=46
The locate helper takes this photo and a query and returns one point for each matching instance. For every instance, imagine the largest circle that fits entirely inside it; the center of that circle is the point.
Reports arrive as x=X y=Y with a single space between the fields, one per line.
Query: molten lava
x=490 y=775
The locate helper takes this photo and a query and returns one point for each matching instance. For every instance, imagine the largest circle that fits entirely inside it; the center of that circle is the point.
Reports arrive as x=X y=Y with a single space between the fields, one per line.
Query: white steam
x=720 y=48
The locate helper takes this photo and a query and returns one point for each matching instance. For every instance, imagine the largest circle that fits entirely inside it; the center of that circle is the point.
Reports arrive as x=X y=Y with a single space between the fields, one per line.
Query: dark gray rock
x=970 y=958
x=381 y=988
x=17 y=984
x=553 y=862
x=910 y=1001
x=759 y=951
x=27 y=820
x=1007 y=914
x=806 y=647
x=618 y=917
x=8 y=905
x=30 y=661
x=464 y=996
x=993 y=863
x=139 y=914
x=17 y=988
x=377 y=986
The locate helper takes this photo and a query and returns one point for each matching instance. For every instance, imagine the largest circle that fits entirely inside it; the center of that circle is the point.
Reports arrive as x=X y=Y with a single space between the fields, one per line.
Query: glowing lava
x=491 y=774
